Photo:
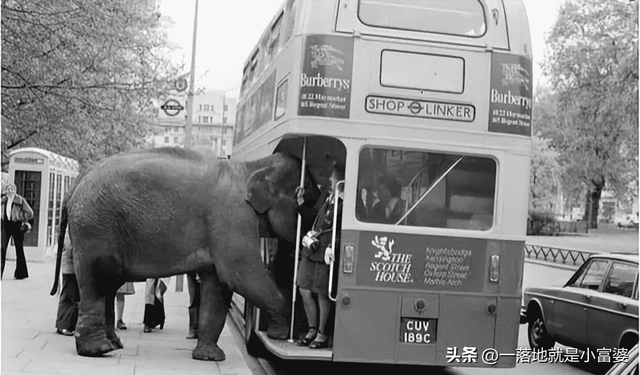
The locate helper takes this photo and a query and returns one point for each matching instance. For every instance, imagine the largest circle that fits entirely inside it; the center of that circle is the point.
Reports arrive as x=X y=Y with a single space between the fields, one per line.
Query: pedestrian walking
x=69 y=301
x=193 y=283
x=16 y=214
x=154 y=304
x=127 y=288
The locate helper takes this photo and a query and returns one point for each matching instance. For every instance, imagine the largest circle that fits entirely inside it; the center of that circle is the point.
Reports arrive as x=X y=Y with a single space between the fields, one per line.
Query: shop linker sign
x=325 y=80
x=418 y=262
x=510 y=95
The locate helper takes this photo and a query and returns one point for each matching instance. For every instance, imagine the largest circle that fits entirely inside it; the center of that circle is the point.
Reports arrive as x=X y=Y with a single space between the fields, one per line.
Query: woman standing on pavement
x=69 y=295
x=16 y=214
x=154 y=304
x=127 y=288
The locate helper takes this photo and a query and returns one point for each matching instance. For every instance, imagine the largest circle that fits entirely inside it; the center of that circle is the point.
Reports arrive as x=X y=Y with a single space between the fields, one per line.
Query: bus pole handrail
x=429 y=190
x=297 y=254
x=333 y=239
x=414 y=179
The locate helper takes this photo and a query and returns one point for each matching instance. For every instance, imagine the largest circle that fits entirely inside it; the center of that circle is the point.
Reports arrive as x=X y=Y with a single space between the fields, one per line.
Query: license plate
x=417 y=331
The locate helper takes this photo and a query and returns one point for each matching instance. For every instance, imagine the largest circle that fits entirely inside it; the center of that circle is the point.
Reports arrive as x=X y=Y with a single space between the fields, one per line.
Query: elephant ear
x=260 y=190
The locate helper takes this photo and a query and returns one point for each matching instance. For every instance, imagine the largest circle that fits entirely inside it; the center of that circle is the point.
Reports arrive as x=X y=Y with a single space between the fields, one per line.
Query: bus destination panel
x=420 y=108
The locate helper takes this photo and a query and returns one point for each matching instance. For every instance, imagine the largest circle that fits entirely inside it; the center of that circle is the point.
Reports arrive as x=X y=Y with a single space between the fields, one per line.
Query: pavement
x=607 y=238
x=30 y=344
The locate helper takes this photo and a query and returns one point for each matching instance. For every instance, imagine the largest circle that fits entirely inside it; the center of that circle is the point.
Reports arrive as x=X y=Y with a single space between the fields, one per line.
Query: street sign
x=171 y=107
x=181 y=84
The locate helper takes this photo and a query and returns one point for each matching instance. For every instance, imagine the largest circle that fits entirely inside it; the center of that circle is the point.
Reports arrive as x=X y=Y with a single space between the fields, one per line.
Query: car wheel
x=539 y=338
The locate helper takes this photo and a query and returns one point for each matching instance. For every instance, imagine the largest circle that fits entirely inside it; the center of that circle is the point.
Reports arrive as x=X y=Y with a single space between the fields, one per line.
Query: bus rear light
x=348 y=259
x=494 y=269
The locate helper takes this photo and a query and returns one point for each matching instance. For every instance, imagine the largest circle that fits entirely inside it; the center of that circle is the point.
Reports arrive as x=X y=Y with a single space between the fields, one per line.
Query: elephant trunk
x=63 y=229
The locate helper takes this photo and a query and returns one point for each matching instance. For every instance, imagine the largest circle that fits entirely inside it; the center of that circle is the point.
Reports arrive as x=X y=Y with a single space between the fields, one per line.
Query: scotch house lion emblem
x=391 y=267
x=326 y=55
x=385 y=247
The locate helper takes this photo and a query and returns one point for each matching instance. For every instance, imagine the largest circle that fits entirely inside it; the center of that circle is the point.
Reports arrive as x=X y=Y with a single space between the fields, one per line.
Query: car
x=596 y=308
x=628 y=367
x=628 y=221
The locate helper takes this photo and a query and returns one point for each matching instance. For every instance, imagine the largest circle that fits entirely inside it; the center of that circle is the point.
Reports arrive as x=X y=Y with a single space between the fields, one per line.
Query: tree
x=79 y=77
x=544 y=174
x=592 y=65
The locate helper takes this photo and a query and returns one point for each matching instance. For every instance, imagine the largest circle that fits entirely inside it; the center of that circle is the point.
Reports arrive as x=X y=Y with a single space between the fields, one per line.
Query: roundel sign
x=171 y=107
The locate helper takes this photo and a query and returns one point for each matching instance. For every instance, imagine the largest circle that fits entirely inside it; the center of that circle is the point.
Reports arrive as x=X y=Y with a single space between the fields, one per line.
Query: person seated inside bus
x=316 y=254
x=363 y=203
x=387 y=206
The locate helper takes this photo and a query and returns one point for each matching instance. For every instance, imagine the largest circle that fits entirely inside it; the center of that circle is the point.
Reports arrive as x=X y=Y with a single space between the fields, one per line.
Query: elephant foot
x=96 y=343
x=278 y=326
x=115 y=340
x=278 y=331
x=208 y=353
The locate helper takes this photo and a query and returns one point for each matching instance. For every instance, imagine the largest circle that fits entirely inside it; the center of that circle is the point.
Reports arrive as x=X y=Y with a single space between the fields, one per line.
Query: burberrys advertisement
x=325 y=80
x=510 y=95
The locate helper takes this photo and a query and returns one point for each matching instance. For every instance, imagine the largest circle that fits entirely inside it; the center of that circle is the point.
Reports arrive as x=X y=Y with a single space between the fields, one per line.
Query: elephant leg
x=110 y=319
x=214 y=306
x=92 y=336
x=260 y=289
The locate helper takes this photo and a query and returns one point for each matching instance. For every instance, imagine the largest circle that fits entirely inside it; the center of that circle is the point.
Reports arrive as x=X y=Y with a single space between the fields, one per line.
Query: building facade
x=214 y=116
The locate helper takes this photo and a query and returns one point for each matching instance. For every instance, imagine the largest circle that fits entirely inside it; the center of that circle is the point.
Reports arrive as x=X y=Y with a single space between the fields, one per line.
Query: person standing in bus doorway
x=16 y=214
x=387 y=207
x=125 y=289
x=313 y=271
x=69 y=301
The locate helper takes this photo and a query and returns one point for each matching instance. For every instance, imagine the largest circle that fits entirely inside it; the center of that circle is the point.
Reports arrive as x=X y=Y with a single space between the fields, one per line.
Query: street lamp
x=187 y=127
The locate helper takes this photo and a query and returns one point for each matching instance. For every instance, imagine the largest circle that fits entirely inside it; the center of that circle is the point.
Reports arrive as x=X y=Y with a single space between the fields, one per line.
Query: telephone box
x=42 y=178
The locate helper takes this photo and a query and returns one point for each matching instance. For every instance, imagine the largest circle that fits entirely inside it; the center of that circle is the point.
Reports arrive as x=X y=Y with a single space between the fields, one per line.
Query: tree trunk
x=592 y=205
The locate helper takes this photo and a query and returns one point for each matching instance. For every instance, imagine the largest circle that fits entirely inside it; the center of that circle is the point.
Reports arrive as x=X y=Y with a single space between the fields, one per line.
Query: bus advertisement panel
x=325 y=80
x=511 y=92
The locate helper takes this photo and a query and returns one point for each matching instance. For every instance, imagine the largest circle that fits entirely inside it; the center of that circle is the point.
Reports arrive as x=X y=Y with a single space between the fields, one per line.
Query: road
x=535 y=273
x=605 y=239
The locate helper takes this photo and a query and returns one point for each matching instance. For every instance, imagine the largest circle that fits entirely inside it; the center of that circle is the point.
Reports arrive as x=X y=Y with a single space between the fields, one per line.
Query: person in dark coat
x=313 y=270
x=193 y=284
x=68 y=304
x=154 y=304
x=16 y=214
x=388 y=207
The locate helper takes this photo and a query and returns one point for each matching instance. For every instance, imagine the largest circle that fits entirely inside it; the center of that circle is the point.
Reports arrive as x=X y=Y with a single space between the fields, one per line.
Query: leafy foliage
x=592 y=64
x=79 y=77
x=545 y=173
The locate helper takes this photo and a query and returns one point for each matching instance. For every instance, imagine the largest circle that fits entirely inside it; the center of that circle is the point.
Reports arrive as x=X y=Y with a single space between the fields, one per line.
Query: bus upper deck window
x=459 y=17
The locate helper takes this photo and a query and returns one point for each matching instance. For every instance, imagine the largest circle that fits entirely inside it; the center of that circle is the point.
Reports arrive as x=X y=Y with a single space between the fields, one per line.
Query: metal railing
x=557 y=255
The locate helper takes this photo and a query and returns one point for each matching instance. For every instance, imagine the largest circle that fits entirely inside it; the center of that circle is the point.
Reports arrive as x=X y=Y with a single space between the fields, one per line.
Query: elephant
x=168 y=211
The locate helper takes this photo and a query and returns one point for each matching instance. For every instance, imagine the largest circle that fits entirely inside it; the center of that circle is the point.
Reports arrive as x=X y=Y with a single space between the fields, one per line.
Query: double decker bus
x=428 y=105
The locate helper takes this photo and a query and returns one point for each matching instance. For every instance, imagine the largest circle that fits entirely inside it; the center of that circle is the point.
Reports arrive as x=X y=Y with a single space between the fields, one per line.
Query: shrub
x=541 y=223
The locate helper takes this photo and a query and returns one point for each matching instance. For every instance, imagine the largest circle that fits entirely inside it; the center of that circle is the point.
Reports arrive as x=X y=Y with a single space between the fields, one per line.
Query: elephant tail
x=63 y=230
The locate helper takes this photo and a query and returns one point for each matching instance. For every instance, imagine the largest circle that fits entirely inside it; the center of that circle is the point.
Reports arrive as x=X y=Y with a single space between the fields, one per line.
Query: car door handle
x=588 y=298
x=622 y=305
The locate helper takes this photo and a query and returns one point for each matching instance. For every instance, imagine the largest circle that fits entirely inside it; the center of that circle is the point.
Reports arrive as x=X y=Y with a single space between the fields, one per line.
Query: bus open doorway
x=320 y=154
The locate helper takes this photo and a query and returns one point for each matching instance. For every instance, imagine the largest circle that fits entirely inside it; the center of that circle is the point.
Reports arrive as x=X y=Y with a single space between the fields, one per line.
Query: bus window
x=427 y=189
x=281 y=99
x=460 y=17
